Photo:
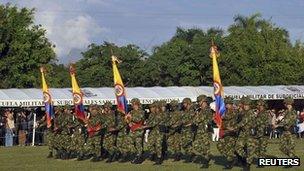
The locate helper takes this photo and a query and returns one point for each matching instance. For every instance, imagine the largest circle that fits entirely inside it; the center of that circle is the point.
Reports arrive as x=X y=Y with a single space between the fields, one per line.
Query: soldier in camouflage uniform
x=201 y=121
x=50 y=136
x=174 y=140
x=136 y=129
x=188 y=132
x=226 y=145
x=94 y=127
x=246 y=143
x=287 y=143
x=109 y=142
x=124 y=141
x=65 y=122
x=164 y=128
x=154 y=144
x=262 y=123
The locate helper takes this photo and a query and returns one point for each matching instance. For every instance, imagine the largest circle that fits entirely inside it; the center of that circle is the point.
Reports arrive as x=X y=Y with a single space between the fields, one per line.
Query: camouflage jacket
x=202 y=118
x=247 y=125
x=261 y=122
x=289 y=120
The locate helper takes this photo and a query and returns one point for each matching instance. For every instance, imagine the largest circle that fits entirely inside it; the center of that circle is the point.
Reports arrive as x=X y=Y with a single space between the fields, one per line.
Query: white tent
x=63 y=96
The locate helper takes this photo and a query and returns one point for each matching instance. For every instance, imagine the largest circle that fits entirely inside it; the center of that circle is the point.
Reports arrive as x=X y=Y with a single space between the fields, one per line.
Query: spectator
x=2 y=128
x=10 y=127
x=22 y=127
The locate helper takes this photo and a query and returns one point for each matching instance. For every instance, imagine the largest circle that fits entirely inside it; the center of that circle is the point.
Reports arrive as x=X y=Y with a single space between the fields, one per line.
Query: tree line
x=253 y=51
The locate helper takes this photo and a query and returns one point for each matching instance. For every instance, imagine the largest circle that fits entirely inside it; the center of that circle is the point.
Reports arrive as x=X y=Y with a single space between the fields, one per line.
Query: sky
x=74 y=24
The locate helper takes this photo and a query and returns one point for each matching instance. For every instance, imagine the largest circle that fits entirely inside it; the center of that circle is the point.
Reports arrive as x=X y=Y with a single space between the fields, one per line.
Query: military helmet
x=68 y=107
x=135 y=101
x=288 y=101
x=107 y=104
x=154 y=104
x=174 y=103
x=228 y=100
x=187 y=100
x=246 y=101
x=162 y=103
x=261 y=102
x=202 y=98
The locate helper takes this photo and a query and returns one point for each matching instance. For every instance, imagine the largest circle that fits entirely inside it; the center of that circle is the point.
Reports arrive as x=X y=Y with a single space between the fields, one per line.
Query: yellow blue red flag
x=49 y=109
x=122 y=103
x=218 y=88
x=77 y=96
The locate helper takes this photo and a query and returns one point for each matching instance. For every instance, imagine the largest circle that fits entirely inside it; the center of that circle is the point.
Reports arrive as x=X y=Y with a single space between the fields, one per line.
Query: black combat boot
x=205 y=163
x=247 y=167
x=153 y=157
x=95 y=158
x=159 y=161
x=177 y=157
x=138 y=159
x=110 y=158
x=189 y=158
x=80 y=157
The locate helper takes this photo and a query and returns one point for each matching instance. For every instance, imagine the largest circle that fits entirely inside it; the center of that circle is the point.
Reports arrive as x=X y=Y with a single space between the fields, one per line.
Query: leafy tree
x=23 y=48
x=256 y=52
x=184 y=60
x=95 y=69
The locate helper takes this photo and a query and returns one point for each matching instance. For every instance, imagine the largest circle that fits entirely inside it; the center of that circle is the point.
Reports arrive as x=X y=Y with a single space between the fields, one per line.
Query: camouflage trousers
x=246 y=148
x=92 y=146
x=201 y=144
x=226 y=146
x=77 y=142
x=137 y=141
x=50 y=140
x=63 y=141
x=175 y=143
x=261 y=150
x=154 y=144
x=187 y=137
x=124 y=142
x=287 y=144
x=109 y=143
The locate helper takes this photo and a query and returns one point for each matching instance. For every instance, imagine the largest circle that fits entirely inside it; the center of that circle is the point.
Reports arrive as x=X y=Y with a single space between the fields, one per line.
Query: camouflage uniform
x=124 y=141
x=93 y=143
x=187 y=131
x=65 y=122
x=136 y=133
x=109 y=142
x=174 y=139
x=287 y=143
x=226 y=145
x=154 y=144
x=201 y=144
x=246 y=143
x=262 y=123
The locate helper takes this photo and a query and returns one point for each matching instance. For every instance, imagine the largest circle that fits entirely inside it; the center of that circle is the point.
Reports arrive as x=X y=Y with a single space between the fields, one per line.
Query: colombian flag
x=49 y=110
x=218 y=88
x=77 y=96
x=122 y=103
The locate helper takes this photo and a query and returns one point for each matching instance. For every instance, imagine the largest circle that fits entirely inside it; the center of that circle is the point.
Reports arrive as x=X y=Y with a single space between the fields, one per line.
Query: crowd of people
x=16 y=127
x=181 y=131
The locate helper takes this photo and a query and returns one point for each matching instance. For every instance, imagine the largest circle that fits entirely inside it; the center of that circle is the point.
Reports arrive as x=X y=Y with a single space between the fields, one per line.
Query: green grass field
x=34 y=158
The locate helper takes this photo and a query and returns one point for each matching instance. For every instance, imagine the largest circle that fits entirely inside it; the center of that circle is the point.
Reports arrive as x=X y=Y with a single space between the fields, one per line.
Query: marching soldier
x=136 y=129
x=262 y=123
x=246 y=143
x=287 y=143
x=201 y=121
x=109 y=142
x=188 y=132
x=226 y=145
x=174 y=139
x=152 y=124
